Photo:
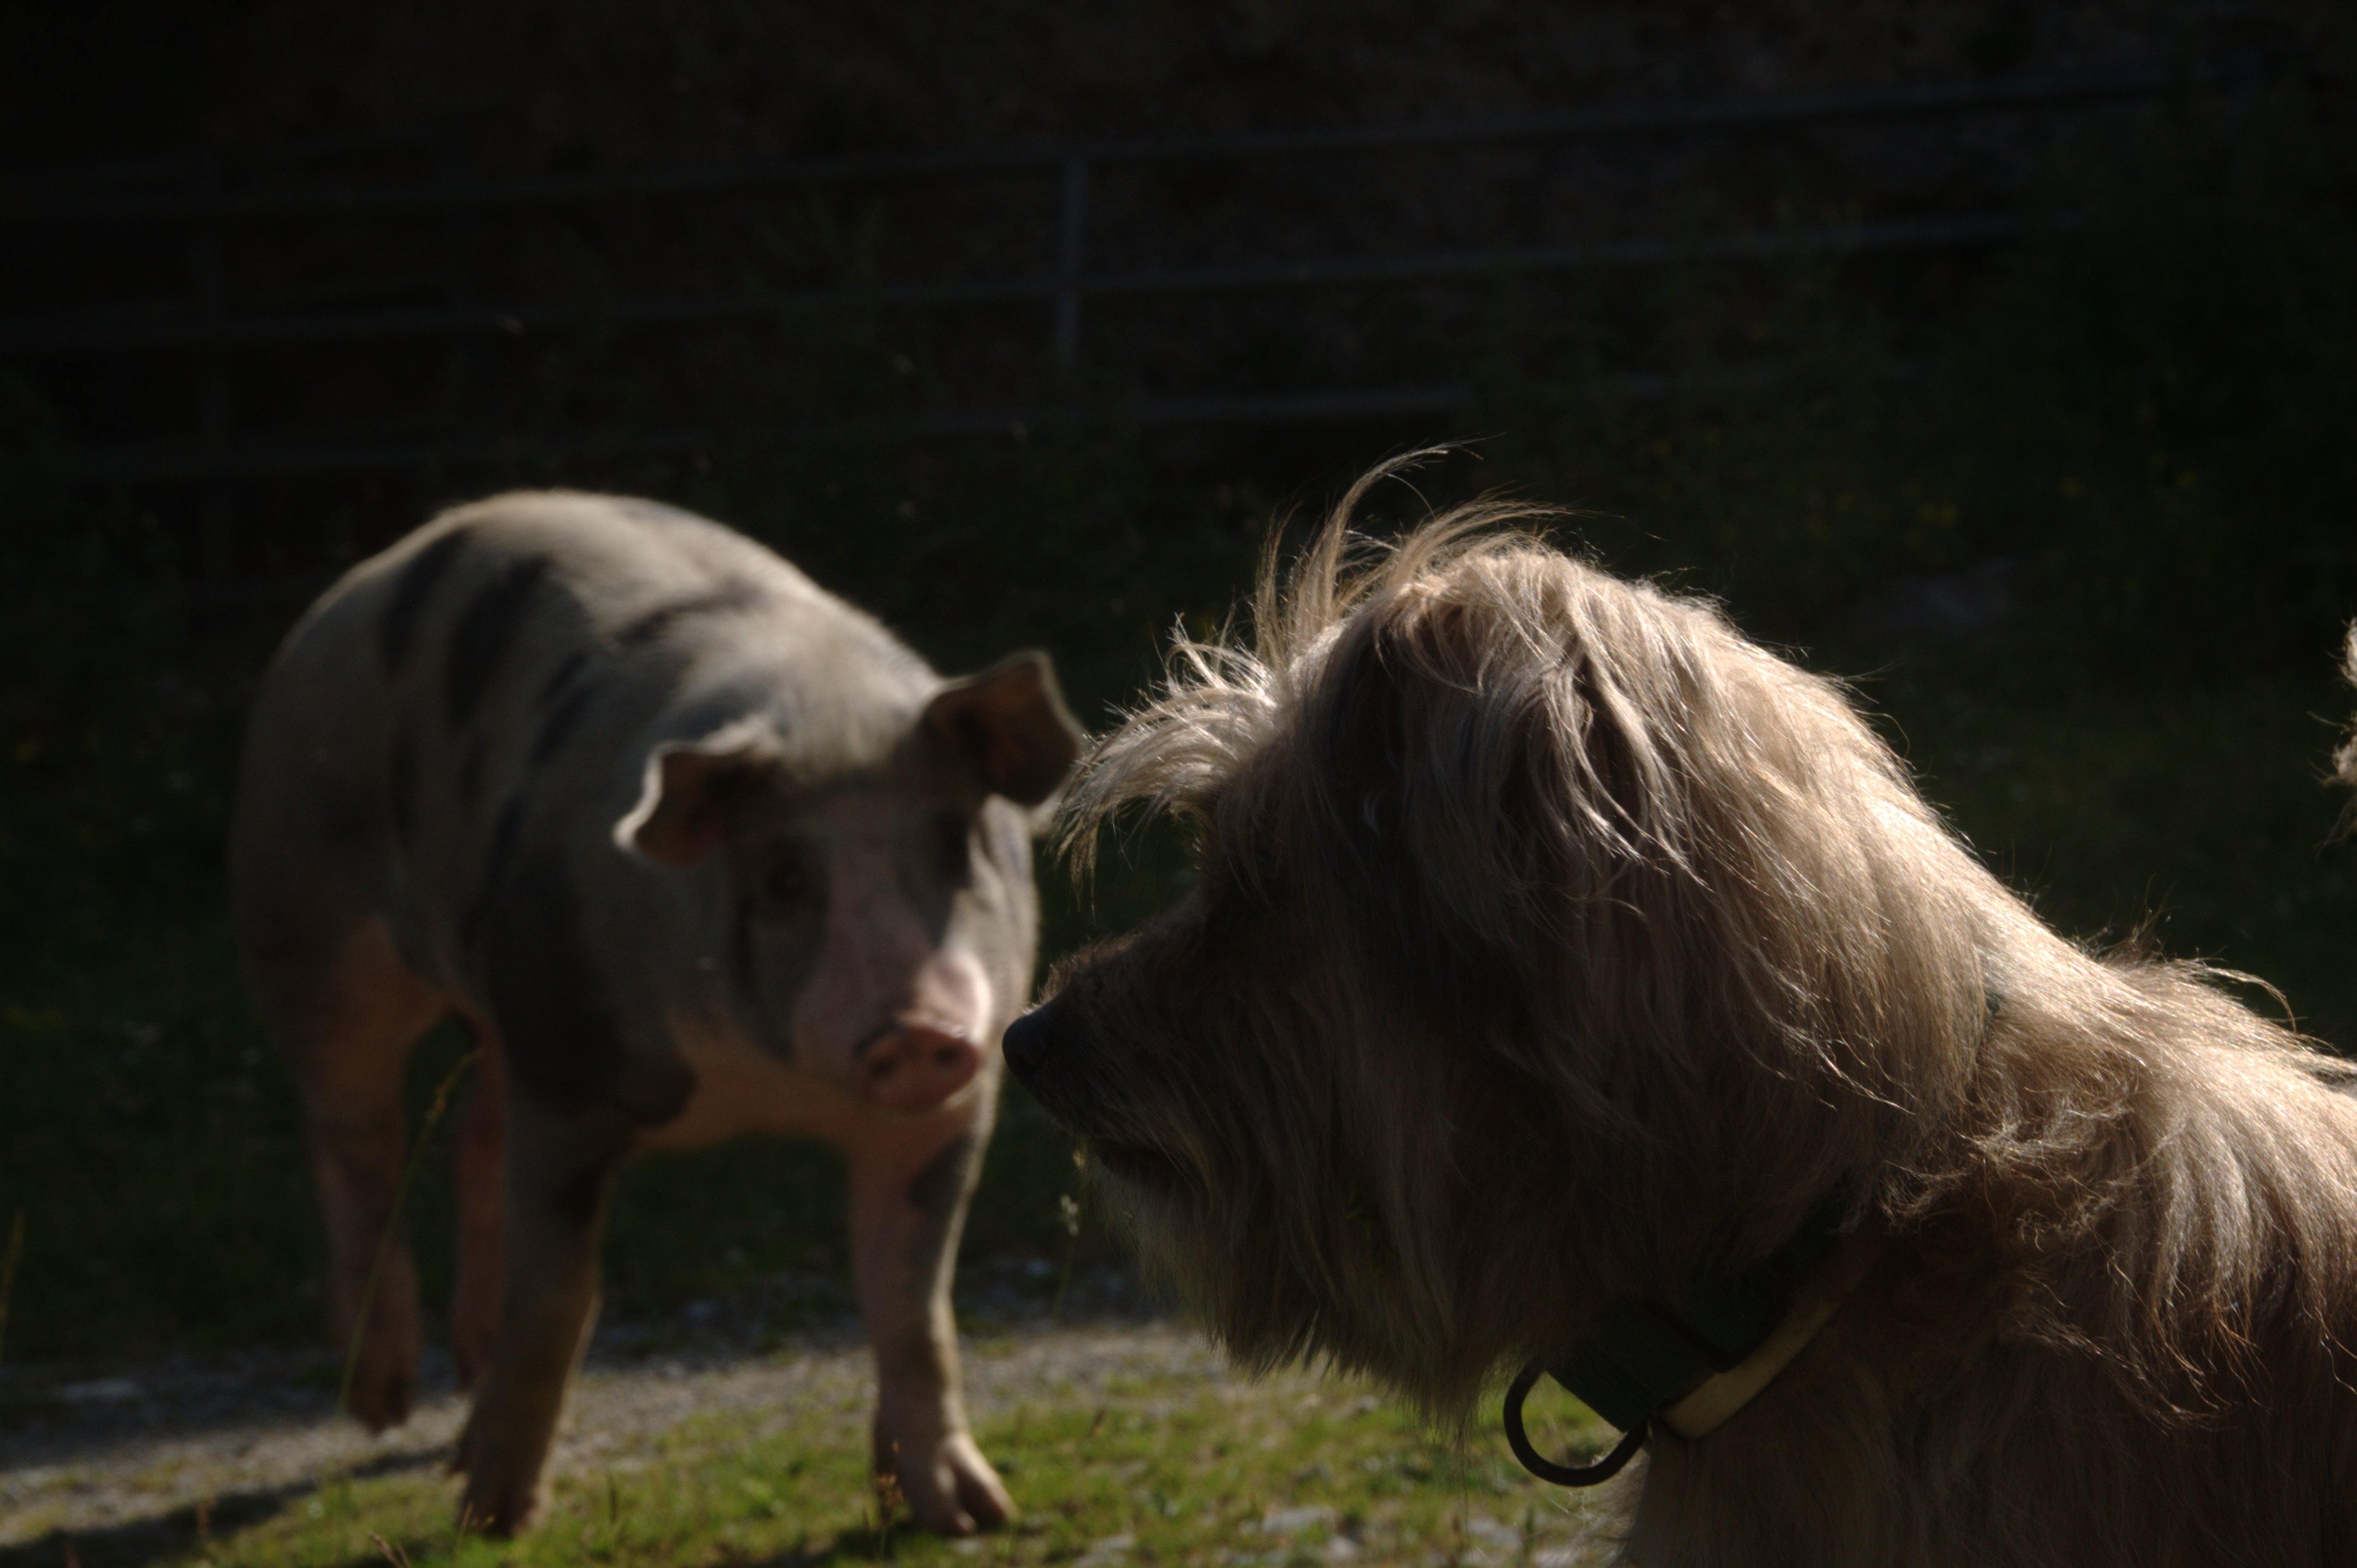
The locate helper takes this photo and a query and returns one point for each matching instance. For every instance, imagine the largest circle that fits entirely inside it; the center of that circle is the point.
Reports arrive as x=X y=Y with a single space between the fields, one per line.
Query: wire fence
x=190 y=208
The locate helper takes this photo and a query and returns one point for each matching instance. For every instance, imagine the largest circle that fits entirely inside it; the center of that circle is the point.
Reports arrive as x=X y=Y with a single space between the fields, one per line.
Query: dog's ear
x=1365 y=735
x=696 y=792
x=1011 y=723
x=1458 y=746
x=1411 y=707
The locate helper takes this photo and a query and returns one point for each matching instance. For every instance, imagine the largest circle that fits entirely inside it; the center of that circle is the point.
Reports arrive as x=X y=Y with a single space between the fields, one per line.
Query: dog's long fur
x=1552 y=943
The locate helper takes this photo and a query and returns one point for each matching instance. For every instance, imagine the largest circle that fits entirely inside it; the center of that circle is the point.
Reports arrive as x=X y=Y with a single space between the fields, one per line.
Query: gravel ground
x=112 y=1471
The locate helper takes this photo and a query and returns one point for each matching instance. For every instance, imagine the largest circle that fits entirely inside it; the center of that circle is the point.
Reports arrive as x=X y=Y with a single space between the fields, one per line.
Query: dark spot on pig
x=344 y=816
x=773 y=949
x=487 y=629
x=400 y=782
x=571 y=1174
x=935 y=1191
x=578 y=1196
x=506 y=833
x=757 y=1001
x=470 y=776
x=567 y=671
x=400 y=923
x=557 y=722
x=553 y=1010
x=733 y=595
x=744 y=966
x=410 y=590
x=935 y=1195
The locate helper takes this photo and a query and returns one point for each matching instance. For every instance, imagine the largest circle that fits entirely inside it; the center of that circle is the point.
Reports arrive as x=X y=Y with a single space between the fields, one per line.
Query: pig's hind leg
x=480 y=1178
x=908 y=1192
x=345 y=1010
x=560 y=1179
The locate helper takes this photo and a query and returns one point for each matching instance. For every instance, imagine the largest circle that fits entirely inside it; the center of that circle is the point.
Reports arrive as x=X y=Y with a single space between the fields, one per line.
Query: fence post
x=207 y=266
x=462 y=241
x=1069 y=257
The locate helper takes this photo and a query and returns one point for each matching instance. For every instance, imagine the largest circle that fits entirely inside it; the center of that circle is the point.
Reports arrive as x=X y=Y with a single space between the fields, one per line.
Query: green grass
x=1152 y=1471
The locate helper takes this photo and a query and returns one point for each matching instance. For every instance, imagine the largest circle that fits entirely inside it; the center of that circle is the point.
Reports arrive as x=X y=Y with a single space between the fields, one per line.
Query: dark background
x=2068 y=496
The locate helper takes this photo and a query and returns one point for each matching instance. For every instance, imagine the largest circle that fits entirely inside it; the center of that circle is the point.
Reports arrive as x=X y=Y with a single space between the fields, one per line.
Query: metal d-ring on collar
x=1641 y=1358
x=1546 y=1469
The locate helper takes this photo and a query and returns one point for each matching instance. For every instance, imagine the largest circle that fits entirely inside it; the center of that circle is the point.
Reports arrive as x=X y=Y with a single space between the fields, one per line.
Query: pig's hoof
x=500 y=1498
x=383 y=1389
x=471 y=1358
x=957 y=1492
x=498 y=1506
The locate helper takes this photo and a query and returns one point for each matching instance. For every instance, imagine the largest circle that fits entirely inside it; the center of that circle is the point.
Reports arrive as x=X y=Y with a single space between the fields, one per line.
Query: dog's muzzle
x=1047 y=1051
x=1033 y=1040
x=1053 y=1051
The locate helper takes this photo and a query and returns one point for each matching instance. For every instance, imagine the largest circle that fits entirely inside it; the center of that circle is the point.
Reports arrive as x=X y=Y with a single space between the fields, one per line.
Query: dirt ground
x=118 y=1470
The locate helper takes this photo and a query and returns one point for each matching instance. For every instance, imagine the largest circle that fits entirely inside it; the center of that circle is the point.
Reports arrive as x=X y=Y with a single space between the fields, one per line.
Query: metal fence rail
x=35 y=336
x=30 y=204
x=203 y=327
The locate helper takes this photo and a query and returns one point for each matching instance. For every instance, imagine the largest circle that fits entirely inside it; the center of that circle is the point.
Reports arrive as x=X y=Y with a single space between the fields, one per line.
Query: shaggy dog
x=1554 y=948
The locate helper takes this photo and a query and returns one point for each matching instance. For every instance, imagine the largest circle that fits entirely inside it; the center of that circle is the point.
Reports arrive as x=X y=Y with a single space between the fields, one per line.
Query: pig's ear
x=696 y=788
x=1011 y=723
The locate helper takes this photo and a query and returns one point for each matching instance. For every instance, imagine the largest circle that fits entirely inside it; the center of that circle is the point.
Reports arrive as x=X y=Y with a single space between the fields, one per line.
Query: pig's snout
x=914 y=1067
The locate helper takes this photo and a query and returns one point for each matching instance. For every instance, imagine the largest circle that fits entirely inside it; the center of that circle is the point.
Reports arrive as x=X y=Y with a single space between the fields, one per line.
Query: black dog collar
x=1689 y=1364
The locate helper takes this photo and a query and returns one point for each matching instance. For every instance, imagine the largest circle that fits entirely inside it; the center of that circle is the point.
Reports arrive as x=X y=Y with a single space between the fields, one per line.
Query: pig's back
x=499 y=677
x=487 y=590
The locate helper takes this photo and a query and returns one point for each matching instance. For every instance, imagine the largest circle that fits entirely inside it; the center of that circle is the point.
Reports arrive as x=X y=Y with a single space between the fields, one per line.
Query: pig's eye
x=952 y=848
x=787 y=883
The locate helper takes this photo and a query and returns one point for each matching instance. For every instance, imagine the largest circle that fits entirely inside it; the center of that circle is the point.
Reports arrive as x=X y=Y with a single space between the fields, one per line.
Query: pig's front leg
x=560 y=1175
x=909 y=1191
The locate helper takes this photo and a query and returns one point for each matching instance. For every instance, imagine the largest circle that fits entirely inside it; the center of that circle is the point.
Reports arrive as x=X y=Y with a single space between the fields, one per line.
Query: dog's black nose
x=1030 y=1039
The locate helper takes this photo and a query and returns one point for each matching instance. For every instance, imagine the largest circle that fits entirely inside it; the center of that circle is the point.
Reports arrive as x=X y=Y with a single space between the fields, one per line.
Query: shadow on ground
x=133 y=1543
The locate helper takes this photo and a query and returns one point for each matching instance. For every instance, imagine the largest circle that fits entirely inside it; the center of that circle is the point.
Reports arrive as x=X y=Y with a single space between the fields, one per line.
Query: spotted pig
x=694 y=849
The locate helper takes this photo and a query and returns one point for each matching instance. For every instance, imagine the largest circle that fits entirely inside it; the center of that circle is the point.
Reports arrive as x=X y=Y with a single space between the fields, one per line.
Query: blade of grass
x=434 y=1113
x=8 y=1270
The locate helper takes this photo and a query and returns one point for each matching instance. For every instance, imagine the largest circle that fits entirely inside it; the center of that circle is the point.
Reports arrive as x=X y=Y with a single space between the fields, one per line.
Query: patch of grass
x=1291 y=1471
